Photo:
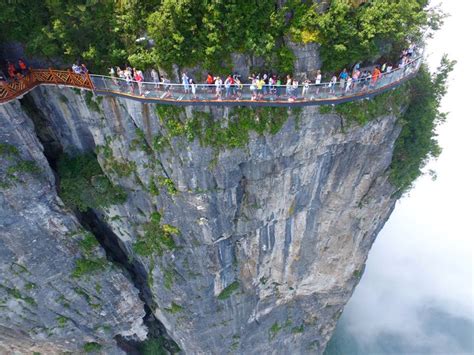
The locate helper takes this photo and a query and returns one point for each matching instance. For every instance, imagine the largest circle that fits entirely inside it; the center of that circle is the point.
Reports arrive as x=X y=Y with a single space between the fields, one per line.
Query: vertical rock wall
x=273 y=237
x=43 y=307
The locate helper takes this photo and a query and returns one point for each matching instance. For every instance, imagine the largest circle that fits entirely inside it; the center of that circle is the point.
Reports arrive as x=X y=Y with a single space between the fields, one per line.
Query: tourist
x=167 y=86
x=120 y=73
x=355 y=78
x=210 y=81
x=23 y=67
x=227 y=85
x=155 y=77
x=218 y=84
x=84 y=69
x=193 y=88
x=253 y=87
x=265 y=84
x=278 y=86
x=318 y=81
x=76 y=69
x=11 y=71
x=356 y=67
x=238 y=86
x=185 y=81
x=288 y=85
x=129 y=79
x=305 y=87
x=271 y=85
x=294 y=90
x=342 y=79
x=332 y=85
x=375 y=76
x=113 y=75
x=348 y=84
x=260 y=85
x=139 y=79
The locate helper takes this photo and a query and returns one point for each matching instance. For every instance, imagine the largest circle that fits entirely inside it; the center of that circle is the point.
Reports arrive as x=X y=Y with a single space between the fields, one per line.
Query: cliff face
x=44 y=308
x=271 y=238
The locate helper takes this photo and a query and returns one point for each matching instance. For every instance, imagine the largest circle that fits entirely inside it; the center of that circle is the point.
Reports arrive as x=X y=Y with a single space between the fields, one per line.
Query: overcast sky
x=418 y=284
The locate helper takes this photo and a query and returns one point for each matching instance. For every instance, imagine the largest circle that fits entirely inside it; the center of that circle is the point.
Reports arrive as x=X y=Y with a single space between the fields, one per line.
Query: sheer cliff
x=251 y=228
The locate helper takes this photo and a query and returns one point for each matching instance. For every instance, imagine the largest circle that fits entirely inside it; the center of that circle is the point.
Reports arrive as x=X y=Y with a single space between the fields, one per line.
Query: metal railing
x=195 y=94
x=244 y=94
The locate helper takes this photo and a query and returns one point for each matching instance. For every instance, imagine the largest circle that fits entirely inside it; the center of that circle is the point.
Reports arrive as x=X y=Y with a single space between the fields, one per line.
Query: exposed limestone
x=42 y=307
x=307 y=60
x=273 y=237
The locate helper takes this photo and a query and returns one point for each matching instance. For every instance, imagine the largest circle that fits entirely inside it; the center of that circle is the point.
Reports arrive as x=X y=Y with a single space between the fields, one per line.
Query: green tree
x=417 y=142
x=175 y=29
x=350 y=31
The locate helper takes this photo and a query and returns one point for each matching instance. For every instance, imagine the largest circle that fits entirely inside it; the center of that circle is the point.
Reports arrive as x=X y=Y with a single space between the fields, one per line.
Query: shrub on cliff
x=156 y=237
x=417 y=142
x=83 y=185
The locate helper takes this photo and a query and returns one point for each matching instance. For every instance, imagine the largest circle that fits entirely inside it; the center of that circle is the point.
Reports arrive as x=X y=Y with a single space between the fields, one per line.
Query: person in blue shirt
x=342 y=78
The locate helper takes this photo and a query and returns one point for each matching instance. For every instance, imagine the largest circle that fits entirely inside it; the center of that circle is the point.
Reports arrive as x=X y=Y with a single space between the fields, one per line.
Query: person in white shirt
x=155 y=77
x=318 y=81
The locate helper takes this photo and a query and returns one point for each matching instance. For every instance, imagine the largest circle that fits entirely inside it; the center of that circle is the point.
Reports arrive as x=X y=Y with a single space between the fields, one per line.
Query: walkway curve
x=243 y=95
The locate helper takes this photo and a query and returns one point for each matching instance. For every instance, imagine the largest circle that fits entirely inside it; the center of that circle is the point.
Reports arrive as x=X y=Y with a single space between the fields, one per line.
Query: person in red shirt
x=22 y=66
x=209 y=81
x=375 y=75
x=138 y=77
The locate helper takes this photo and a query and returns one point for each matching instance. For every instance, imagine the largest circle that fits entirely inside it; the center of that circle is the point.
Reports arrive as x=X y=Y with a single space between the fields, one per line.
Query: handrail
x=195 y=94
x=16 y=88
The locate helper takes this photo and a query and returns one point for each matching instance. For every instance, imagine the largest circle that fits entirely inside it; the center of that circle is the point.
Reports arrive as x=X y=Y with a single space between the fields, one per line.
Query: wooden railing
x=35 y=77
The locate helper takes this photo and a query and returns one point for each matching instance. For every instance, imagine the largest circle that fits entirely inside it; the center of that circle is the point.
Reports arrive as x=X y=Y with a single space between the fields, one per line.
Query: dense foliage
x=417 y=103
x=363 y=111
x=353 y=31
x=417 y=141
x=83 y=185
x=188 y=32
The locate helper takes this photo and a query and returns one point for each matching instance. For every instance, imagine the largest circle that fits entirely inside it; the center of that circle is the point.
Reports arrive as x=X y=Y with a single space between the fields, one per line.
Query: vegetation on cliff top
x=417 y=141
x=417 y=103
x=354 y=31
x=191 y=32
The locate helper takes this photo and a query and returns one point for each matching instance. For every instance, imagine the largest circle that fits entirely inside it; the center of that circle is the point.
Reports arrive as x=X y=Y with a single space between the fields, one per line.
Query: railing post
x=89 y=82
x=52 y=75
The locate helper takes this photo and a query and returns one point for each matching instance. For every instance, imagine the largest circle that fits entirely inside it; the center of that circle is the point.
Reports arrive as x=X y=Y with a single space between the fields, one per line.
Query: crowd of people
x=15 y=72
x=260 y=85
x=231 y=87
